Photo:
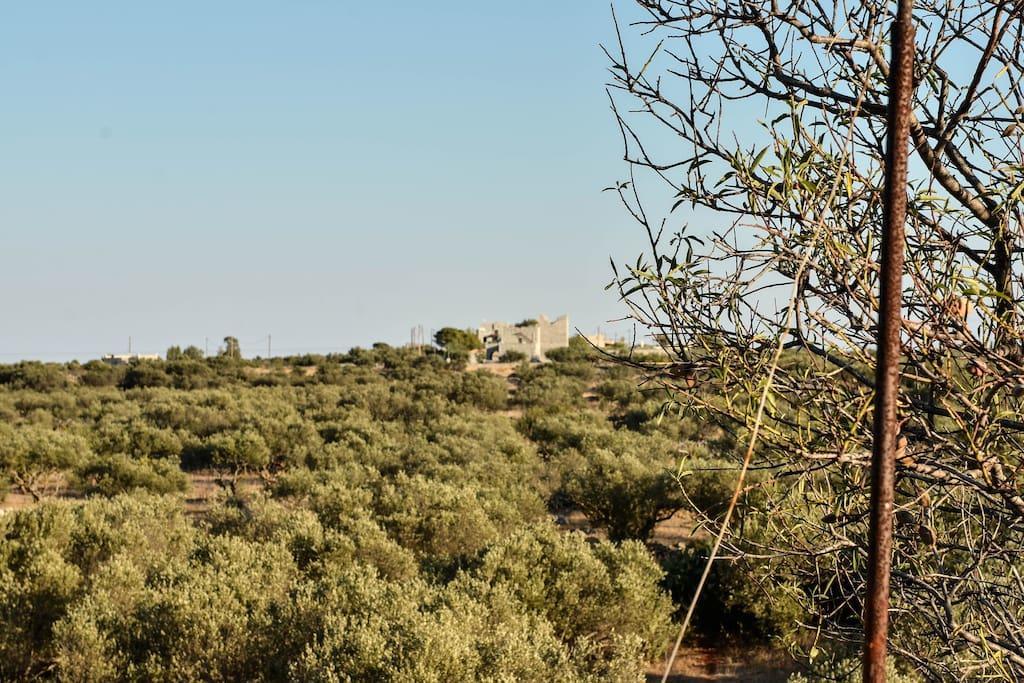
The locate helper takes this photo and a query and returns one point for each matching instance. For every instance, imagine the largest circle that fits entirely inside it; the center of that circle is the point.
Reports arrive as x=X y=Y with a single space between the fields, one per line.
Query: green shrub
x=236 y=450
x=49 y=559
x=604 y=594
x=623 y=392
x=35 y=376
x=342 y=501
x=436 y=520
x=401 y=536
x=137 y=437
x=29 y=455
x=145 y=374
x=549 y=392
x=365 y=628
x=578 y=350
x=585 y=371
x=211 y=616
x=111 y=475
x=626 y=494
x=184 y=373
x=96 y=373
x=479 y=389
x=748 y=601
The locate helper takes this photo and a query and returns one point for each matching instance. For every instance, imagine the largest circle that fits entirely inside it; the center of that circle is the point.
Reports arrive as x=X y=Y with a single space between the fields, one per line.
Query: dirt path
x=726 y=665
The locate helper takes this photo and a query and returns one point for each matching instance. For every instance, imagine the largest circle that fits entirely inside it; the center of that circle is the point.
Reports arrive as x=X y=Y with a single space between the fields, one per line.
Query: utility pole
x=268 y=347
x=129 y=345
x=206 y=346
x=887 y=368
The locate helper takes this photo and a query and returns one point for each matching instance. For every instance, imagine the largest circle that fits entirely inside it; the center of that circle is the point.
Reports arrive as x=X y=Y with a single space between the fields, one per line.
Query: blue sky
x=331 y=173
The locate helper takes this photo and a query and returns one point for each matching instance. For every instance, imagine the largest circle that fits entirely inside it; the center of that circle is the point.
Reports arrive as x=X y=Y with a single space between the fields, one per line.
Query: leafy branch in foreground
x=814 y=78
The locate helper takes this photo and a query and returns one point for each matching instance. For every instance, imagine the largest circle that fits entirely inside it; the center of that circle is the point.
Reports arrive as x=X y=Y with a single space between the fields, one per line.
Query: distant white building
x=126 y=358
x=603 y=341
x=533 y=339
x=624 y=345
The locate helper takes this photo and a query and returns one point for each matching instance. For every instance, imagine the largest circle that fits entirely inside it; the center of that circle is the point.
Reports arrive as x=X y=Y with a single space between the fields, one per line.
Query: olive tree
x=34 y=458
x=764 y=122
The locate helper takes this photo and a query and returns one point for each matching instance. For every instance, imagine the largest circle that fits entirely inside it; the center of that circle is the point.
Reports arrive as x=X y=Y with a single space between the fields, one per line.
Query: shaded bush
x=744 y=600
x=96 y=373
x=145 y=374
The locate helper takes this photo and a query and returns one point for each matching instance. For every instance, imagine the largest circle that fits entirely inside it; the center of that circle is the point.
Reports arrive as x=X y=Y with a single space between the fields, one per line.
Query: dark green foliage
x=186 y=373
x=480 y=389
x=192 y=353
x=236 y=450
x=581 y=370
x=457 y=341
x=145 y=374
x=622 y=480
x=231 y=350
x=512 y=356
x=742 y=599
x=135 y=436
x=626 y=493
x=96 y=373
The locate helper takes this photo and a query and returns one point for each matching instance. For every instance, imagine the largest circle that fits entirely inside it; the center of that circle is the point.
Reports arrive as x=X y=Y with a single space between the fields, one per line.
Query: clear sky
x=331 y=173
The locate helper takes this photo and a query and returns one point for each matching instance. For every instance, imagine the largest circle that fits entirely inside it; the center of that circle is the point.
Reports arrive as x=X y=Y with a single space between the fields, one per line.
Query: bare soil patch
x=731 y=664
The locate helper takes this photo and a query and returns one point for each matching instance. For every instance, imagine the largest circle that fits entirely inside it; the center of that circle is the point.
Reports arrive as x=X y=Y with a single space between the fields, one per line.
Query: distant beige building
x=624 y=345
x=603 y=341
x=126 y=358
x=533 y=340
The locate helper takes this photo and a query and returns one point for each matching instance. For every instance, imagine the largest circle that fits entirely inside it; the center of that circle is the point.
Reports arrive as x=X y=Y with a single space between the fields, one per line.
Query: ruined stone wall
x=533 y=341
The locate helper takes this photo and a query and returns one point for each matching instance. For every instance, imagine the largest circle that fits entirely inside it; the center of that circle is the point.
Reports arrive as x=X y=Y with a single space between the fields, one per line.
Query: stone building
x=533 y=338
x=127 y=358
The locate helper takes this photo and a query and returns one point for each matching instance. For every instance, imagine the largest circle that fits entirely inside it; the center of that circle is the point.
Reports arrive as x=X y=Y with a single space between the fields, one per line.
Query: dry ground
x=726 y=665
